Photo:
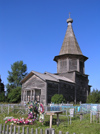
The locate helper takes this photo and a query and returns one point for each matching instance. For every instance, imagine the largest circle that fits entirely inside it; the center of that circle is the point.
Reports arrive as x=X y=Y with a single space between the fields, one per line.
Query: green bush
x=94 y=97
x=14 y=95
x=58 y=98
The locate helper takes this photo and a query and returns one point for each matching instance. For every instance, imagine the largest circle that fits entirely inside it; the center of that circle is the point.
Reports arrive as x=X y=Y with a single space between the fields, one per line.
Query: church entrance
x=31 y=95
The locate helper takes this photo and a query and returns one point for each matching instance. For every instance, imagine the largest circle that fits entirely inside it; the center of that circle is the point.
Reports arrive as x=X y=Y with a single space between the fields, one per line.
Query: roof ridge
x=38 y=75
x=51 y=75
x=58 y=76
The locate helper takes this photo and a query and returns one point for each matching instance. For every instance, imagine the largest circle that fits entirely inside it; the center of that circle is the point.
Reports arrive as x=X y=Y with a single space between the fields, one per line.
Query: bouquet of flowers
x=33 y=110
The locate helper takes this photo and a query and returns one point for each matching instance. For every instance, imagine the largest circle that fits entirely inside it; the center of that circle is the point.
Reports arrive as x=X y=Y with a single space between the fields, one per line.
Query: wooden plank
x=50 y=121
x=31 y=130
x=27 y=130
x=60 y=132
x=0 y=128
x=57 y=119
x=36 y=131
x=14 y=129
x=50 y=113
x=45 y=131
x=7 y=129
x=41 y=131
x=23 y=130
x=4 y=129
x=18 y=129
x=11 y=129
x=53 y=131
x=49 y=131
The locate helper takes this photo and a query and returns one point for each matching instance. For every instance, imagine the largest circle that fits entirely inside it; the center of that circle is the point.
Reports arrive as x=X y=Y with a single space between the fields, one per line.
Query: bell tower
x=70 y=57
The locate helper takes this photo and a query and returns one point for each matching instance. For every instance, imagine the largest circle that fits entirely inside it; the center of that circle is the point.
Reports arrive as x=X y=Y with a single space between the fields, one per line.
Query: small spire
x=69 y=14
x=69 y=20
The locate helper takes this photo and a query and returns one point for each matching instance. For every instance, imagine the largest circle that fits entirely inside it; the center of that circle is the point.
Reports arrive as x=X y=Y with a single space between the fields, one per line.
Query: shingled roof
x=47 y=76
x=70 y=44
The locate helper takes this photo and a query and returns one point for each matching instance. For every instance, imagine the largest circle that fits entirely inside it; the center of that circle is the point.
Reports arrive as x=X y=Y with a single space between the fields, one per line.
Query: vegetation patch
x=77 y=126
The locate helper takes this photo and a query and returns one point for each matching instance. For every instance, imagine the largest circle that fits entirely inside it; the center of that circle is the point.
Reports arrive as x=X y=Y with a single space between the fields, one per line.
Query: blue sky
x=34 y=30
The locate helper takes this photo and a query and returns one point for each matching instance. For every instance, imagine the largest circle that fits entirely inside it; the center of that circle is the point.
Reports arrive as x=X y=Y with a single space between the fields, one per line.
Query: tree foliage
x=58 y=98
x=2 y=92
x=17 y=73
x=2 y=96
x=14 y=95
x=94 y=97
x=1 y=86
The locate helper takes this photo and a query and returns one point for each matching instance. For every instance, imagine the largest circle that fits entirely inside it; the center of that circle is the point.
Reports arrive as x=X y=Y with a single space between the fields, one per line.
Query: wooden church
x=70 y=79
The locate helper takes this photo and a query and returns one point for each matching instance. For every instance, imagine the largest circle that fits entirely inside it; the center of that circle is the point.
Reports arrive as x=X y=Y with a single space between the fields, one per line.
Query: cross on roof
x=69 y=14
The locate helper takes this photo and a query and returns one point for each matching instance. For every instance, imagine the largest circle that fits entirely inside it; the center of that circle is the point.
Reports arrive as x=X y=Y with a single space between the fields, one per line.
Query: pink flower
x=5 y=121
x=26 y=122
x=21 y=121
x=13 y=119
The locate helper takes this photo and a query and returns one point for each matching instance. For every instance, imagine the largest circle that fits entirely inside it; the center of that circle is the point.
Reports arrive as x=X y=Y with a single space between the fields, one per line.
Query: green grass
x=77 y=126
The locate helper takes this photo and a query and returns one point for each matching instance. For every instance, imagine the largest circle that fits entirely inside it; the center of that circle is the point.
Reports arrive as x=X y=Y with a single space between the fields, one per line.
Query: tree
x=17 y=73
x=2 y=92
x=58 y=98
x=14 y=95
x=2 y=96
x=94 y=97
x=1 y=86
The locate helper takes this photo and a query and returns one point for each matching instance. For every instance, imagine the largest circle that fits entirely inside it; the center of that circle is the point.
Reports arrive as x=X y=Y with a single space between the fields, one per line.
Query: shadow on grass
x=47 y=123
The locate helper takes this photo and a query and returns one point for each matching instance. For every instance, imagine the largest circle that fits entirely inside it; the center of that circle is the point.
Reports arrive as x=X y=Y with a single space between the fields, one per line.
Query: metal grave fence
x=15 y=108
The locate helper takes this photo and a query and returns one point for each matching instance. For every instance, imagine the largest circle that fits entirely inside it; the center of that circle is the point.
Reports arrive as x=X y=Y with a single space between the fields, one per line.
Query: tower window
x=72 y=64
x=62 y=66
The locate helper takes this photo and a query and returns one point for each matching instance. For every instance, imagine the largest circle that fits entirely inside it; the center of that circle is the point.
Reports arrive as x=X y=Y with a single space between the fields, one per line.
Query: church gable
x=33 y=81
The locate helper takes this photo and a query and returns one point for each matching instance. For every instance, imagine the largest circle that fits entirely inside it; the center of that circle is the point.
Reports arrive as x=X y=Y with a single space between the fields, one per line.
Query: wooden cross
x=69 y=14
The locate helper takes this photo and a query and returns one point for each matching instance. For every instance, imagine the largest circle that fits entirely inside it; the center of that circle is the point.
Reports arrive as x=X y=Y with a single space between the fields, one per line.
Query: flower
x=30 y=116
x=5 y=121
x=34 y=120
x=9 y=119
x=26 y=122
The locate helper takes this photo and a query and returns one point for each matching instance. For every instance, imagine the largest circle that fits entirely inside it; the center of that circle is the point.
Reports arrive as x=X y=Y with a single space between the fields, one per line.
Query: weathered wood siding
x=70 y=75
x=52 y=88
x=71 y=92
x=62 y=66
x=72 y=64
x=35 y=82
x=68 y=91
x=82 y=67
x=82 y=87
x=65 y=88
